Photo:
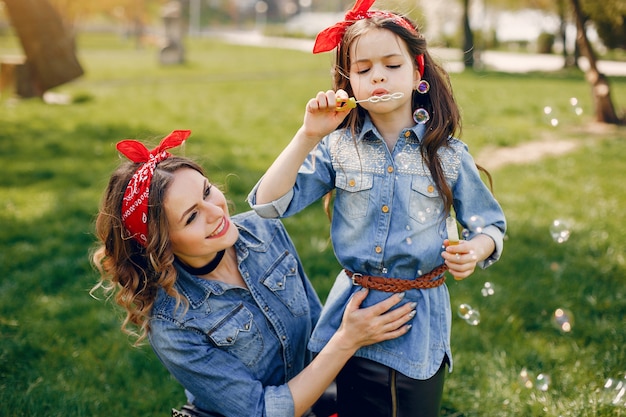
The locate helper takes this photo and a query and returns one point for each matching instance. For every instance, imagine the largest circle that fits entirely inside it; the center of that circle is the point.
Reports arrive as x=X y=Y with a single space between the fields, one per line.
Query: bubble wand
x=453 y=232
x=350 y=103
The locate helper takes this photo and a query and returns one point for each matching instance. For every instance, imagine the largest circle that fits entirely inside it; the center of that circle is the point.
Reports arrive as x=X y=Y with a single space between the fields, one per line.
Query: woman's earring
x=423 y=87
x=421 y=116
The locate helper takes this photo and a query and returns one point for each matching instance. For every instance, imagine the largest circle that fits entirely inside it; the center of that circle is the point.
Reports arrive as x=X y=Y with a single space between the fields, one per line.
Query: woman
x=224 y=301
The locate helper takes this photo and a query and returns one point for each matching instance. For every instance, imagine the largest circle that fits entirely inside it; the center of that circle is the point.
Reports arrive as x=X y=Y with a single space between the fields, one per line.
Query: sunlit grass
x=62 y=353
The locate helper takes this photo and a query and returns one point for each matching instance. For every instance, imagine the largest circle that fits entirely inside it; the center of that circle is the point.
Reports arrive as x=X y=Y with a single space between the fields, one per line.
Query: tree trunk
x=600 y=89
x=49 y=48
x=468 y=38
x=569 y=60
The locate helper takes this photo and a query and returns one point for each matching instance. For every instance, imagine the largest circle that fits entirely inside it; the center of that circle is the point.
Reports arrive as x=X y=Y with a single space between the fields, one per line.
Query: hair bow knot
x=329 y=38
x=135 y=201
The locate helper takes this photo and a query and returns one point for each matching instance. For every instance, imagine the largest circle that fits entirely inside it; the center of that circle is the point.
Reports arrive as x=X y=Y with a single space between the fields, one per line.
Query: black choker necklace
x=206 y=269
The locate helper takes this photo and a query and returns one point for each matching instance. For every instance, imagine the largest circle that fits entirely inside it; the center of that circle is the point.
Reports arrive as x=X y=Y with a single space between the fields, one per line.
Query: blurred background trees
x=566 y=27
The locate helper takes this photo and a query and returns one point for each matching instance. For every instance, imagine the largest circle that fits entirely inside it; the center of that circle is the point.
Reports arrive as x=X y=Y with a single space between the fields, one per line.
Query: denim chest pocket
x=285 y=283
x=238 y=334
x=353 y=192
x=425 y=204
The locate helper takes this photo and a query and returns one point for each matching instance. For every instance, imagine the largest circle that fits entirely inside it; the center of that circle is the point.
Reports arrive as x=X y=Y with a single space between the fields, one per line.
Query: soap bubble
x=421 y=116
x=550 y=116
x=614 y=392
x=525 y=378
x=563 y=320
x=543 y=382
x=474 y=318
x=403 y=160
x=469 y=314
x=464 y=311
x=560 y=231
x=574 y=103
x=487 y=289
x=476 y=223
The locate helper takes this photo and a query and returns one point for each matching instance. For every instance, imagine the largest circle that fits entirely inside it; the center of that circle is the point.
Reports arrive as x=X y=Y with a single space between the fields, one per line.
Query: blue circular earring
x=423 y=87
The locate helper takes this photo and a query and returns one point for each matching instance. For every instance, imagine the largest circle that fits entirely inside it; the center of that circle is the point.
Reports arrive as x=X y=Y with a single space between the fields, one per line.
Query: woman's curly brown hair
x=129 y=271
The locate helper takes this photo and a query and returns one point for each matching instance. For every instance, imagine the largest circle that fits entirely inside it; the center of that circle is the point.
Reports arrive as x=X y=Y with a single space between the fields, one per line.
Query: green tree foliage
x=609 y=18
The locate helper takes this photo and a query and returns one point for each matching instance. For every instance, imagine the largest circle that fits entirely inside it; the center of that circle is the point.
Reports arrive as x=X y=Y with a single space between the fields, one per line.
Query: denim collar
x=369 y=129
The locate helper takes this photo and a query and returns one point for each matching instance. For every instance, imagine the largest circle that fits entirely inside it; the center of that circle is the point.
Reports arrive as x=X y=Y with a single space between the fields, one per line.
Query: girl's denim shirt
x=388 y=220
x=233 y=349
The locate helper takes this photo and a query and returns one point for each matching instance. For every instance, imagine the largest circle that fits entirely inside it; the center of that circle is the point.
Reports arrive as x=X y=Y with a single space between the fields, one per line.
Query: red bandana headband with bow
x=135 y=202
x=329 y=38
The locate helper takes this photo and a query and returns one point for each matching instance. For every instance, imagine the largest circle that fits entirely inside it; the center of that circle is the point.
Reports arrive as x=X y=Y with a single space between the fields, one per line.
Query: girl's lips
x=221 y=229
x=379 y=92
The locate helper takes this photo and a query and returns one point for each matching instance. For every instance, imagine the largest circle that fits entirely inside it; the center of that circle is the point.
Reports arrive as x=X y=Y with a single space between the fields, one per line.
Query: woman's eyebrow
x=190 y=209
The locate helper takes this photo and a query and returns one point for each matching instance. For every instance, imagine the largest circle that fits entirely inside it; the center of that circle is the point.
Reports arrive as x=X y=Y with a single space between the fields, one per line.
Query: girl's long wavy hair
x=445 y=116
x=128 y=271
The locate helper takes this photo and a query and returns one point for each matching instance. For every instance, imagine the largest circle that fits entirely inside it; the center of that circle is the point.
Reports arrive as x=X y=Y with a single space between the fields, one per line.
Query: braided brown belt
x=397 y=284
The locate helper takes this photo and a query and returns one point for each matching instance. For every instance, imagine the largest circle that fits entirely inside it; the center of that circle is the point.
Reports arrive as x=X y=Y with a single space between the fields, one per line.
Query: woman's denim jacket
x=388 y=220
x=234 y=349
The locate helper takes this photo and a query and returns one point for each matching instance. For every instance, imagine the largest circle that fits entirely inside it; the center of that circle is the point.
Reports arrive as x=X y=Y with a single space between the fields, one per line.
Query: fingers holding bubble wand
x=322 y=116
x=461 y=256
x=327 y=110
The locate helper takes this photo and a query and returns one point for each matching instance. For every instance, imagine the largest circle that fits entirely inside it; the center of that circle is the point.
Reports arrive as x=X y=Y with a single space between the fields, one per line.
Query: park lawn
x=61 y=351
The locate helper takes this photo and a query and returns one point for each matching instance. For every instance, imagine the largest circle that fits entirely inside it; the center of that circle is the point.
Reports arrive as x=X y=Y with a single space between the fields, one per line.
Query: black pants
x=368 y=389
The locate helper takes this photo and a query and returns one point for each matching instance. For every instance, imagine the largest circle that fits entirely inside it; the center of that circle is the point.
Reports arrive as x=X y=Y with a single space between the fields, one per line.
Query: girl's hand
x=463 y=258
x=321 y=116
x=366 y=326
x=460 y=258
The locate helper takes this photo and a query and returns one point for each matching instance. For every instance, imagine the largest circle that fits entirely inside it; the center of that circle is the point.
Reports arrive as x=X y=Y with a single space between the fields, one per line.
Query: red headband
x=135 y=202
x=329 y=38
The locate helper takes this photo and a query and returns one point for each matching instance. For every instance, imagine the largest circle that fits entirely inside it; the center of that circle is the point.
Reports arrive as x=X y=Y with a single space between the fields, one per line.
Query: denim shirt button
x=390 y=169
x=385 y=209
x=378 y=249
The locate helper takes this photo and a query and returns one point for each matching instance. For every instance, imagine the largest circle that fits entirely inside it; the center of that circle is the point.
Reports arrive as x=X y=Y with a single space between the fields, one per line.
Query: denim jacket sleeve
x=316 y=177
x=234 y=393
x=472 y=196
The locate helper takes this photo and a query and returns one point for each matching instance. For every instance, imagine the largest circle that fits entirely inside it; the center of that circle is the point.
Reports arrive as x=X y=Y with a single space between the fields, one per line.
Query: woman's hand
x=366 y=326
x=359 y=327
x=463 y=258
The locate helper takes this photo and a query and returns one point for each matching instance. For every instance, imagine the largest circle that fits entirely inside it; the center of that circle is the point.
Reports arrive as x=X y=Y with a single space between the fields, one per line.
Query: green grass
x=62 y=353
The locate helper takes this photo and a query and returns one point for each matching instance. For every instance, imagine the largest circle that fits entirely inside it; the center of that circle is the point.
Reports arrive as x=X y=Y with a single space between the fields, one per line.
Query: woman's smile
x=221 y=230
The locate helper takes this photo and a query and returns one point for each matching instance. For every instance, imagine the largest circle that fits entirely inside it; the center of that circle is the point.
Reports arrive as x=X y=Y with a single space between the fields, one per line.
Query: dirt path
x=493 y=158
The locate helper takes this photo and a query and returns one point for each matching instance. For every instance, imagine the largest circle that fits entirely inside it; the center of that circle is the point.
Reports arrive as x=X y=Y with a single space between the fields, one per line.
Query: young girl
x=397 y=171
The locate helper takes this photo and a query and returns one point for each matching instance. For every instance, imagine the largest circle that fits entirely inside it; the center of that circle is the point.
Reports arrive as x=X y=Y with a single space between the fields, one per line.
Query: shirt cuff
x=273 y=209
x=278 y=401
x=496 y=234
